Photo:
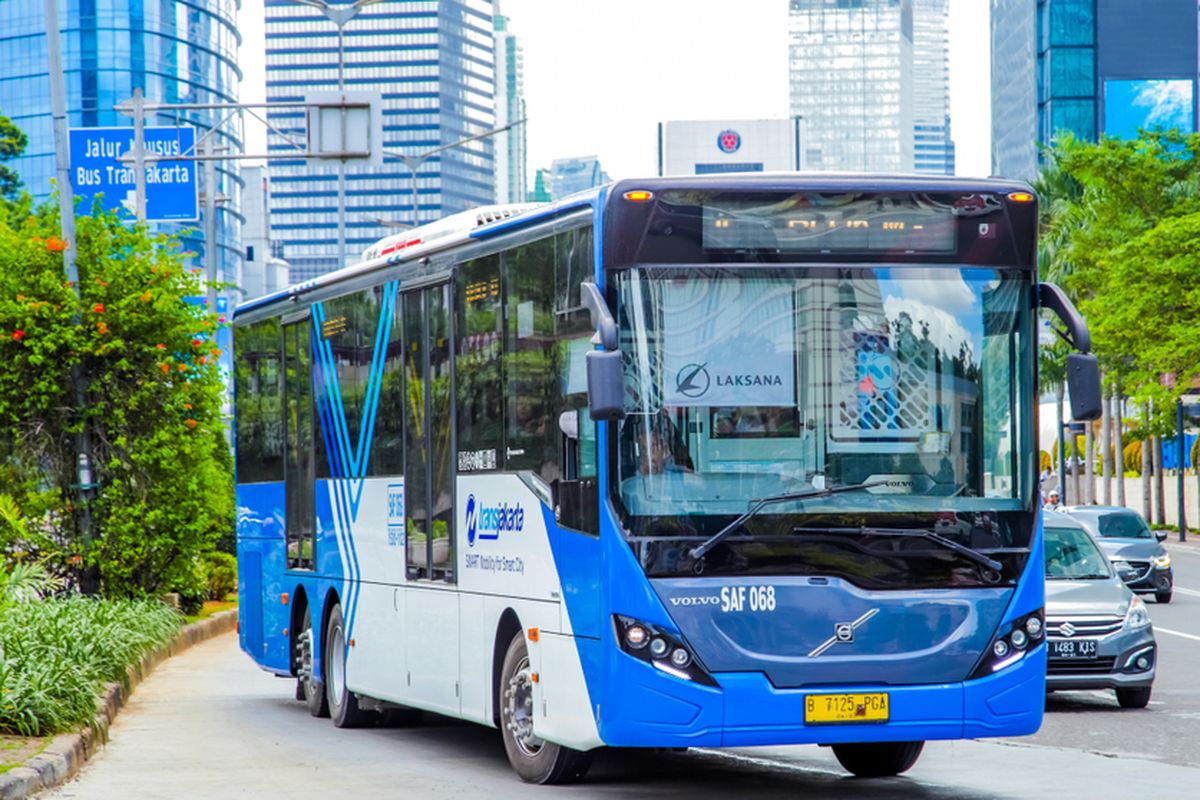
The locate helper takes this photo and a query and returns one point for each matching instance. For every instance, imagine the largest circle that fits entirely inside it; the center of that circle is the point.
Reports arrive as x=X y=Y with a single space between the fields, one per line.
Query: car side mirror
x=1160 y=535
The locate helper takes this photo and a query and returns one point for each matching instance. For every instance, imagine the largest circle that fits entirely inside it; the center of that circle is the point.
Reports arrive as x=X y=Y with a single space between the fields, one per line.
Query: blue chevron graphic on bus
x=488 y=522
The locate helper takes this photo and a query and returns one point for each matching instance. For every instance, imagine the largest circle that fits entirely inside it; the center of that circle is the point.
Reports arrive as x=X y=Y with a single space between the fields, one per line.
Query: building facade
x=571 y=175
x=705 y=147
x=870 y=79
x=433 y=61
x=511 y=164
x=175 y=52
x=263 y=268
x=1099 y=67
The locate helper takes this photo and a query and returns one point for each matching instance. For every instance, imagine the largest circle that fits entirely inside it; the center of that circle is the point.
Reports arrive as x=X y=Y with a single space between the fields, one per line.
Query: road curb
x=66 y=754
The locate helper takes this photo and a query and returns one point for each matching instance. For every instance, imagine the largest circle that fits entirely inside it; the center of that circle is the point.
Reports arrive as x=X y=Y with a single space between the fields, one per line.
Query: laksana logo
x=488 y=522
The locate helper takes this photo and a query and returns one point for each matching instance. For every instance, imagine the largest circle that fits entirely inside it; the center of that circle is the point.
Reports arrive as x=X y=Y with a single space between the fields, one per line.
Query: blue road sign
x=172 y=189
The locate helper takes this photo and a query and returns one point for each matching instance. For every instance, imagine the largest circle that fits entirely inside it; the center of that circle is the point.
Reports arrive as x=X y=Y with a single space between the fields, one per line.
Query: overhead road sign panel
x=172 y=189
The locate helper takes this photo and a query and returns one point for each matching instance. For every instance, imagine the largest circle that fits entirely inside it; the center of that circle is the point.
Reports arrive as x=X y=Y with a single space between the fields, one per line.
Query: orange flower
x=98 y=308
x=165 y=368
x=102 y=327
x=18 y=334
x=101 y=282
x=197 y=342
x=20 y=298
x=203 y=359
x=191 y=423
x=55 y=244
x=188 y=406
x=145 y=298
x=216 y=352
x=36 y=240
x=161 y=346
x=195 y=270
x=183 y=367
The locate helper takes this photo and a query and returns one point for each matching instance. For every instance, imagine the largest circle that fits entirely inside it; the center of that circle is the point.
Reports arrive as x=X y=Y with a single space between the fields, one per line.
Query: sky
x=600 y=76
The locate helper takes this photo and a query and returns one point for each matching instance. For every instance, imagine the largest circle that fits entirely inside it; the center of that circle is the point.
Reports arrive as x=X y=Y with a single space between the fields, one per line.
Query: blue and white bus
x=715 y=461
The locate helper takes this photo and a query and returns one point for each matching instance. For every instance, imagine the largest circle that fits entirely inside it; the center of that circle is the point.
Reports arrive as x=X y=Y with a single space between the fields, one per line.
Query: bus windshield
x=746 y=383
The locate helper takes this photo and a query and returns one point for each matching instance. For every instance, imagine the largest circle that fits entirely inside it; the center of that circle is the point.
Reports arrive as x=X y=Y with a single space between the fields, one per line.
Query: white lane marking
x=1189 y=592
x=1176 y=633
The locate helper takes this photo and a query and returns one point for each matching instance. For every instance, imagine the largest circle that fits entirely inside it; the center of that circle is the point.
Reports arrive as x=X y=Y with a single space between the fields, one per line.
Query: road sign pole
x=66 y=206
x=139 y=153
x=210 y=224
x=1180 y=442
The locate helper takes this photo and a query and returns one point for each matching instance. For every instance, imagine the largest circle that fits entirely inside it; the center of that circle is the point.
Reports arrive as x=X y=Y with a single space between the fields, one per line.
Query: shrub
x=1133 y=458
x=220 y=575
x=57 y=654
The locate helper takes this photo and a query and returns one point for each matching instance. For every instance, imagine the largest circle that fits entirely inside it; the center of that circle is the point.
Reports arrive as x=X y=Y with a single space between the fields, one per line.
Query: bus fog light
x=680 y=657
x=1019 y=639
x=1000 y=648
x=658 y=647
x=636 y=637
x=1033 y=626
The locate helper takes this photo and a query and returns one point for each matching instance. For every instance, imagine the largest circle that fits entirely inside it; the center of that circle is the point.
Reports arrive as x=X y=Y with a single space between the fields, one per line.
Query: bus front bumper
x=656 y=710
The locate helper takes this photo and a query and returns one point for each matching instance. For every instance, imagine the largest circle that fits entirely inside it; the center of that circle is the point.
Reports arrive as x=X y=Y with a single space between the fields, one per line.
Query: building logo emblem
x=692 y=381
x=728 y=141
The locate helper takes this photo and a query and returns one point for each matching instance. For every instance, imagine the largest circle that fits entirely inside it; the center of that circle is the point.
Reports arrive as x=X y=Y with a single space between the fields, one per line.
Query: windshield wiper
x=937 y=538
x=762 y=502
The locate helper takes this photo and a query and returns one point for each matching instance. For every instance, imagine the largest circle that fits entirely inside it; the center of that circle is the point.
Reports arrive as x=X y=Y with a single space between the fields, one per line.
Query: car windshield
x=1123 y=526
x=750 y=383
x=1072 y=555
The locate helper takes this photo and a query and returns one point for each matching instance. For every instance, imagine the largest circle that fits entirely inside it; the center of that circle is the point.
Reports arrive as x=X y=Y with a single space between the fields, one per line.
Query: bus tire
x=343 y=704
x=878 y=759
x=309 y=688
x=534 y=760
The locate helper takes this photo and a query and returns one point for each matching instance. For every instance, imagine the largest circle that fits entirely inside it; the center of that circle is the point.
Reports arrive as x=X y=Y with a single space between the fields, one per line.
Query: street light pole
x=339 y=16
x=415 y=161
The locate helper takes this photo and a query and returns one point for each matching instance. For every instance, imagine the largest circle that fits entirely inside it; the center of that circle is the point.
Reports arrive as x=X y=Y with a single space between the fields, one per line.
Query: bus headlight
x=1012 y=643
x=664 y=650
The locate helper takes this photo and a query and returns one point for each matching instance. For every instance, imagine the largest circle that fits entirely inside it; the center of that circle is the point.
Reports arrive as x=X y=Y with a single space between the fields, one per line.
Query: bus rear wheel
x=534 y=760
x=878 y=759
x=343 y=704
x=308 y=686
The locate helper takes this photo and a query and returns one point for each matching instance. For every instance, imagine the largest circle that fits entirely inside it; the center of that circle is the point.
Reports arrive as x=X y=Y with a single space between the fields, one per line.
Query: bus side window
x=577 y=495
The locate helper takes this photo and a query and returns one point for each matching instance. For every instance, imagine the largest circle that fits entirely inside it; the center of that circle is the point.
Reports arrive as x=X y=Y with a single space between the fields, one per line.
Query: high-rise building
x=174 y=52
x=1088 y=67
x=570 y=175
x=433 y=62
x=510 y=107
x=263 y=269
x=707 y=147
x=541 y=187
x=870 y=79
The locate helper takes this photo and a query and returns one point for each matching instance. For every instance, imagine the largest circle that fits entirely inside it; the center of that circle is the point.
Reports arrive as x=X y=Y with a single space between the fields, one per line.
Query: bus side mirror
x=1083 y=386
x=605 y=372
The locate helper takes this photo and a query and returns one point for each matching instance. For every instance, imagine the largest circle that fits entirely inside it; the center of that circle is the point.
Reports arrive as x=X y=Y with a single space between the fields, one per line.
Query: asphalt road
x=209 y=724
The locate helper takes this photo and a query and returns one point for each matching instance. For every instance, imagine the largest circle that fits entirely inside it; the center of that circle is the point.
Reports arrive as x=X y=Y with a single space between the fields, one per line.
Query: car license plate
x=821 y=709
x=1073 y=649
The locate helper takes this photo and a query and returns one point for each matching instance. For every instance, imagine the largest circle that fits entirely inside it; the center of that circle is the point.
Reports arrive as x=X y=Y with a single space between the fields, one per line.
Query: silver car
x=1098 y=631
x=1135 y=551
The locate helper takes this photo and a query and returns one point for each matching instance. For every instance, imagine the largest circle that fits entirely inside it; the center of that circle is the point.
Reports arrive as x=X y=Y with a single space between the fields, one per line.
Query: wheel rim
x=336 y=662
x=518 y=710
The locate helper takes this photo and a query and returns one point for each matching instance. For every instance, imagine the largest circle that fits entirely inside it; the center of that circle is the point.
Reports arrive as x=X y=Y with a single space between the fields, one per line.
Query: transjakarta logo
x=729 y=141
x=487 y=522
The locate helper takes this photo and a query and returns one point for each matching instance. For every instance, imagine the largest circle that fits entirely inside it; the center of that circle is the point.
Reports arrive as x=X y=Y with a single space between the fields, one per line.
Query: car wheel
x=1134 y=698
x=1164 y=597
x=343 y=704
x=878 y=759
x=534 y=759
x=308 y=686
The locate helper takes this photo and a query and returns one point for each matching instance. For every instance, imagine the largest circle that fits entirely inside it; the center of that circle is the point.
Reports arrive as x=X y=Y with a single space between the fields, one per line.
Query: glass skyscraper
x=1014 y=89
x=510 y=107
x=176 y=52
x=870 y=79
x=434 y=63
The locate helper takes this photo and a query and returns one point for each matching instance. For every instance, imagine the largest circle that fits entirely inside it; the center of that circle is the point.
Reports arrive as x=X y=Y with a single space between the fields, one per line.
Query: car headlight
x=1163 y=561
x=1137 y=616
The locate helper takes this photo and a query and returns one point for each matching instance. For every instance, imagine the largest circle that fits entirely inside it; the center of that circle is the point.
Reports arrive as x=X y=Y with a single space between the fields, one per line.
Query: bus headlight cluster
x=1011 y=644
x=663 y=650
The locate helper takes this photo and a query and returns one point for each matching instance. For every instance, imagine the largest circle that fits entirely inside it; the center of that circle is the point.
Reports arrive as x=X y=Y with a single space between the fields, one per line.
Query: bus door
x=299 y=472
x=431 y=607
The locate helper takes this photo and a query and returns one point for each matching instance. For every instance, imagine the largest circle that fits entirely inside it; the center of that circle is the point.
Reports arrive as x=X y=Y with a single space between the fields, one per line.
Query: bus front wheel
x=534 y=760
x=878 y=759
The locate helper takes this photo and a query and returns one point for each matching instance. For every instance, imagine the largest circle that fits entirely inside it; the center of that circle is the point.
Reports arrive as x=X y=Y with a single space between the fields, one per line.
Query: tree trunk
x=1106 y=454
x=1089 y=465
x=1061 y=439
x=1160 y=499
x=1119 y=443
x=1147 y=460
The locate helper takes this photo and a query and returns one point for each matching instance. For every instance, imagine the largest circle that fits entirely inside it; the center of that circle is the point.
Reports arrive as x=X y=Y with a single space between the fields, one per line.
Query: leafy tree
x=152 y=399
x=12 y=144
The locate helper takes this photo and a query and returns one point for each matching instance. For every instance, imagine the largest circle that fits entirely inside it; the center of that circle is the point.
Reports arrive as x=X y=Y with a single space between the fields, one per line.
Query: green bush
x=1133 y=458
x=220 y=575
x=57 y=654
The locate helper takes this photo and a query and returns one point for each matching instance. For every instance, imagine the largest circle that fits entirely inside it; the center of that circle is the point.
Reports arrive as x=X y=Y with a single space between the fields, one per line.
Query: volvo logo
x=701 y=600
x=1067 y=629
x=843 y=633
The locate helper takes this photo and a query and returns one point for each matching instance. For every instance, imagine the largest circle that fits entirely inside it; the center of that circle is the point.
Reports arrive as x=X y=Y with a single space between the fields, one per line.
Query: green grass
x=211 y=607
x=57 y=654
